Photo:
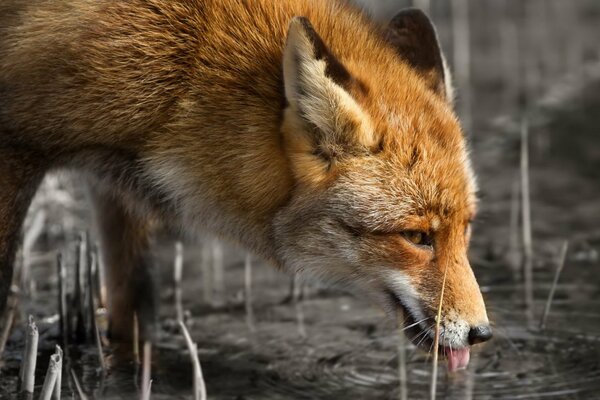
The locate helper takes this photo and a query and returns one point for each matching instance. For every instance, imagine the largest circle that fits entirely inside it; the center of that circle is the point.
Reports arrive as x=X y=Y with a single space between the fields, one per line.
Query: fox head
x=384 y=192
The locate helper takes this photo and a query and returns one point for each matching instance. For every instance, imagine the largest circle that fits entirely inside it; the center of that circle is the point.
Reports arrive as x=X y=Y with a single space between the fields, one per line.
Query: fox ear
x=413 y=36
x=322 y=121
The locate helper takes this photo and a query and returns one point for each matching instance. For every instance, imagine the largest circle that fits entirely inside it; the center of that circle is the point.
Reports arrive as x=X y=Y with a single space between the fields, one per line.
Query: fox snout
x=417 y=275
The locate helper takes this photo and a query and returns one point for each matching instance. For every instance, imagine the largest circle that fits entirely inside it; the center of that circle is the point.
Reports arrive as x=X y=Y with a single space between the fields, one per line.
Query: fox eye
x=418 y=237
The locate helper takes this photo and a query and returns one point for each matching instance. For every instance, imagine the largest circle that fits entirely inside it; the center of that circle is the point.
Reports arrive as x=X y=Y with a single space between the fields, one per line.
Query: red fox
x=300 y=129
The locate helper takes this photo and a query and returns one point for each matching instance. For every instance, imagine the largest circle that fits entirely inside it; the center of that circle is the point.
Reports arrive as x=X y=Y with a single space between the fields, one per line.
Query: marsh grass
x=526 y=217
x=561 y=263
x=51 y=378
x=27 y=374
x=248 y=292
x=146 y=384
x=78 y=388
x=9 y=317
x=402 y=374
x=177 y=276
x=436 y=340
x=198 y=378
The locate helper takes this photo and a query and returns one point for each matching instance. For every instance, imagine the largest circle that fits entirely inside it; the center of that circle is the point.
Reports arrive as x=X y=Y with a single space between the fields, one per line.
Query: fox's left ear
x=413 y=36
x=323 y=122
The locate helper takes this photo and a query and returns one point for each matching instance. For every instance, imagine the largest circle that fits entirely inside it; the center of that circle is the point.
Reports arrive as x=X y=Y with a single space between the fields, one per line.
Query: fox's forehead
x=434 y=187
x=423 y=148
x=423 y=168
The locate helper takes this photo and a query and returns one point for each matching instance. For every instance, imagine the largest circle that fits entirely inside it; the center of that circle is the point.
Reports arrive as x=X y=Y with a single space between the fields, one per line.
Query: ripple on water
x=563 y=362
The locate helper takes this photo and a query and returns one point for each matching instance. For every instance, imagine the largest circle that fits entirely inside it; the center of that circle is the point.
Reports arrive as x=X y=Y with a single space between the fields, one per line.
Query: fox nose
x=480 y=334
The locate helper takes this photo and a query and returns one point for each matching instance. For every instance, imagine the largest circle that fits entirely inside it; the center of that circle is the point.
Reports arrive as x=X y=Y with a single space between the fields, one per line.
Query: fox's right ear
x=412 y=34
x=323 y=122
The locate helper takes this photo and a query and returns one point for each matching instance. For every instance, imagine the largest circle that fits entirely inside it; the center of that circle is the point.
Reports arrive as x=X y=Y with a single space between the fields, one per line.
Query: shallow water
x=351 y=351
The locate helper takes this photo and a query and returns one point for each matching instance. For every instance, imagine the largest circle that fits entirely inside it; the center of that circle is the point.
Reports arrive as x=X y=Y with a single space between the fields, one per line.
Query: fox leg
x=21 y=172
x=125 y=242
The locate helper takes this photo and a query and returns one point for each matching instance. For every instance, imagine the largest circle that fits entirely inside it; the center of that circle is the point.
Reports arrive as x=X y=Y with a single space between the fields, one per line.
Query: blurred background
x=527 y=78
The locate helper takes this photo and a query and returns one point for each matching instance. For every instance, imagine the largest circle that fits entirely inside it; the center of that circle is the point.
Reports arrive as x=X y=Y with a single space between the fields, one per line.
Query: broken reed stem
x=459 y=10
x=526 y=210
x=206 y=272
x=101 y=278
x=402 y=357
x=199 y=386
x=11 y=308
x=93 y=307
x=27 y=374
x=248 y=292
x=136 y=339
x=51 y=377
x=561 y=263
x=297 y=300
x=78 y=302
x=9 y=316
x=62 y=299
x=218 y=273
x=57 y=387
x=146 y=382
x=436 y=340
x=31 y=235
x=99 y=347
x=424 y=5
x=177 y=275
x=80 y=392
x=514 y=253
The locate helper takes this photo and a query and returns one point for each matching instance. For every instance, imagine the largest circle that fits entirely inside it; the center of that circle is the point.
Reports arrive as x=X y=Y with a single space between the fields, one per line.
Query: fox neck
x=230 y=185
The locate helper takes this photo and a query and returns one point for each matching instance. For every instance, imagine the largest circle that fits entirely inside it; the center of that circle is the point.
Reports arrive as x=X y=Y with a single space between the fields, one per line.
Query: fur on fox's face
x=384 y=188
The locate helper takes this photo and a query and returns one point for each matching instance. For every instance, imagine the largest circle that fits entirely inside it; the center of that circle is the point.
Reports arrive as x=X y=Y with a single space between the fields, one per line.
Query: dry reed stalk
x=402 y=357
x=514 y=253
x=100 y=350
x=297 y=300
x=51 y=378
x=92 y=307
x=136 y=339
x=62 y=300
x=436 y=340
x=561 y=263
x=218 y=270
x=508 y=34
x=88 y=310
x=91 y=297
x=101 y=279
x=199 y=385
x=146 y=382
x=27 y=373
x=424 y=5
x=58 y=386
x=177 y=275
x=9 y=316
x=526 y=209
x=207 y=275
x=80 y=392
x=78 y=303
x=462 y=59
x=29 y=238
x=248 y=292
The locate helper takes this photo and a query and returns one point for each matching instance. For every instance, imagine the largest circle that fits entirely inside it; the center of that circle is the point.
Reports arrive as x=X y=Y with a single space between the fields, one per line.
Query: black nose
x=480 y=334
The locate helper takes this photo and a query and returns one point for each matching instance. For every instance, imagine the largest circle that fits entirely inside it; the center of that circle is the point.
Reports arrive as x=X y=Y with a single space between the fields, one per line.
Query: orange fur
x=314 y=149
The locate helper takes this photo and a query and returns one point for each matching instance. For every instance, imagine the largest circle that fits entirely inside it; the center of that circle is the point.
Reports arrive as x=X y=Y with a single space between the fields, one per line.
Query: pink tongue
x=457 y=358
